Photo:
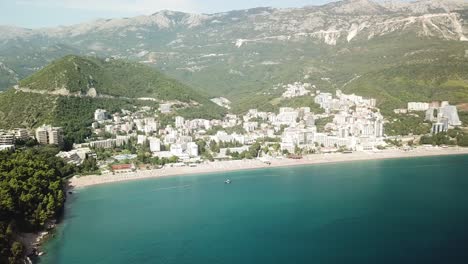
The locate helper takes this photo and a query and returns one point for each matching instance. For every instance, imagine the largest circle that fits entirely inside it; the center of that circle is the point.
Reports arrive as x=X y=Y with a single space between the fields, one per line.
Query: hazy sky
x=45 y=13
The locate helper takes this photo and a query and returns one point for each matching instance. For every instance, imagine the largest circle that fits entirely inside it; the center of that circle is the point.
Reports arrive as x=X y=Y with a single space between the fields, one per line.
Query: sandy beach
x=224 y=166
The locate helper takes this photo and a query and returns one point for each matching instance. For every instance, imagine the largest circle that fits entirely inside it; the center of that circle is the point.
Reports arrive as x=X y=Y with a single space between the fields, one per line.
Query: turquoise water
x=392 y=211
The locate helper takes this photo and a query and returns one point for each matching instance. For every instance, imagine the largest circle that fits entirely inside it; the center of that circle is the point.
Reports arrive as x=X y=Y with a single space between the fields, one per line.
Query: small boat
x=228 y=181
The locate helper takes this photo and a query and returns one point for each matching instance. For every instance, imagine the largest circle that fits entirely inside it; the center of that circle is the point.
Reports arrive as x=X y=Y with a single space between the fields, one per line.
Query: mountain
x=243 y=55
x=93 y=77
x=68 y=91
x=425 y=6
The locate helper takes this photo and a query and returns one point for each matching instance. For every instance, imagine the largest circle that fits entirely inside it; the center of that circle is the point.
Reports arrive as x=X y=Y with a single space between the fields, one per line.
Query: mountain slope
x=394 y=87
x=74 y=75
x=68 y=91
x=243 y=54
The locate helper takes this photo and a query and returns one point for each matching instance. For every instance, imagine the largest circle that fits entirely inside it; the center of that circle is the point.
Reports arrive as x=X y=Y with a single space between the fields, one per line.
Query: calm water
x=394 y=211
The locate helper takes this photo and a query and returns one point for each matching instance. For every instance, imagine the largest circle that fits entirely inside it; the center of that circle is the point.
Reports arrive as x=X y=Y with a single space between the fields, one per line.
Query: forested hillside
x=31 y=193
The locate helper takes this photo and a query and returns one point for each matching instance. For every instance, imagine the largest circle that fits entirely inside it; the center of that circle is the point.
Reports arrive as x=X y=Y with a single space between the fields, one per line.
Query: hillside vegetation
x=31 y=194
x=394 y=87
x=120 y=82
x=75 y=114
x=109 y=77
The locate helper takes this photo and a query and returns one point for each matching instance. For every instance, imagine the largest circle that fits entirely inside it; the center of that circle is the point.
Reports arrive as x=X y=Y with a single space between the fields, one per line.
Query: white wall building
x=155 y=144
x=192 y=149
x=418 y=106
x=100 y=115
x=179 y=122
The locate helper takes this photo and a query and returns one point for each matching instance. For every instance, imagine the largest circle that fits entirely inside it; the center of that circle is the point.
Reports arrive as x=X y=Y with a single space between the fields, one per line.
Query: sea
x=386 y=211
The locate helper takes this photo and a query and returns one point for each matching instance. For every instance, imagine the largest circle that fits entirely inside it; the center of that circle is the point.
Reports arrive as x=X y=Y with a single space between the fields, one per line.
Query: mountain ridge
x=244 y=54
x=94 y=77
x=166 y=18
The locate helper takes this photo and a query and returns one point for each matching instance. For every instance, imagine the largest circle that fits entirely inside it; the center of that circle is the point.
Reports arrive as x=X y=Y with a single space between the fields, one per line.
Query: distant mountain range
x=244 y=54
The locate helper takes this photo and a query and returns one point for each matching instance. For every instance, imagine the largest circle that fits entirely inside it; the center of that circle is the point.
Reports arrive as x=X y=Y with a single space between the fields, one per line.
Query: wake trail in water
x=173 y=187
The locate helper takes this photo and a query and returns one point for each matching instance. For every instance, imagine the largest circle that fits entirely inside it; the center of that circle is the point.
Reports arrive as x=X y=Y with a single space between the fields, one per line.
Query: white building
x=296 y=90
x=7 y=147
x=451 y=113
x=324 y=100
x=418 y=106
x=179 y=122
x=223 y=102
x=192 y=149
x=439 y=127
x=100 y=115
x=250 y=126
x=141 y=139
x=150 y=125
x=49 y=135
x=446 y=111
x=177 y=149
x=21 y=133
x=287 y=116
x=155 y=144
x=165 y=108
x=7 y=139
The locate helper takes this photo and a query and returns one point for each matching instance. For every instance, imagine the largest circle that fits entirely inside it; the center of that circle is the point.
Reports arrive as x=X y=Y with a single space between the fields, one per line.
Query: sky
x=50 y=13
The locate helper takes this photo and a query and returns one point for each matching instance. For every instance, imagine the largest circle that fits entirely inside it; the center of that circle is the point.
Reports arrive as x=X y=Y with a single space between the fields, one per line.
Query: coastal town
x=127 y=141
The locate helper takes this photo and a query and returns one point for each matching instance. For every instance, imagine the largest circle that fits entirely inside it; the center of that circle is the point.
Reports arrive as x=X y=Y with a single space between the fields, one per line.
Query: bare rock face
x=92 y=93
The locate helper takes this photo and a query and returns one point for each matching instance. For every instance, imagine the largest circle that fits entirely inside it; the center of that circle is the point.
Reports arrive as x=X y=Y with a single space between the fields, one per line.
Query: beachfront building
x=123 y=168
x=178 y=149
x=441 y=126
x=155 y=144
x=192 y=149
x=445 y=111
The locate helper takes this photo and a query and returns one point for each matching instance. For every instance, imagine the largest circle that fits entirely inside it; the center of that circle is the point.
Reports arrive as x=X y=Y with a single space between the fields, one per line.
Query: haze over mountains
x=244 y=54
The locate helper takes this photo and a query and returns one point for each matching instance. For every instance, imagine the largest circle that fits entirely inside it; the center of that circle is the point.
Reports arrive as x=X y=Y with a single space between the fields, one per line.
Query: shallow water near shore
x=387 y=211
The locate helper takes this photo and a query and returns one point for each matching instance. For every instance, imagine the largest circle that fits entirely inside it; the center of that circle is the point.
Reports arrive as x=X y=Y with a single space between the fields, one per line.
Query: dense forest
x=31 y=194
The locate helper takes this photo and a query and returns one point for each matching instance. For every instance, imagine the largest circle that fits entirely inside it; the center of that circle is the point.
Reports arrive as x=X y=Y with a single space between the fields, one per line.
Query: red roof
x=122 y=167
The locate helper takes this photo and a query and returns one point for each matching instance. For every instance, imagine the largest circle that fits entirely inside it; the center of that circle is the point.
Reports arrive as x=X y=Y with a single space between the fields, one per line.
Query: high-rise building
x=56 y=136
x=192 y=149
x=49 y=135
x=155 y=144
x=42 y=135
x=179 y=122
x=21 y=133
x=379 y=128
x=451 y=113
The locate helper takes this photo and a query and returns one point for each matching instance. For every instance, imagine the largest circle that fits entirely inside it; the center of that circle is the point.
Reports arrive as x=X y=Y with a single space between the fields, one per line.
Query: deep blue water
x=391 y=211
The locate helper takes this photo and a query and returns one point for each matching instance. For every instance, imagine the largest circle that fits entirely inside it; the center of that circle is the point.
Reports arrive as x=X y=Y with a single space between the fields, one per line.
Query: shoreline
x=239 y=165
